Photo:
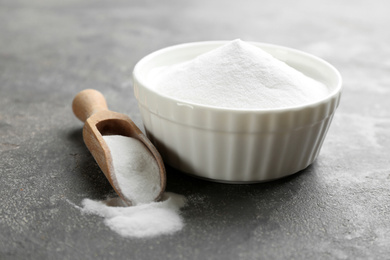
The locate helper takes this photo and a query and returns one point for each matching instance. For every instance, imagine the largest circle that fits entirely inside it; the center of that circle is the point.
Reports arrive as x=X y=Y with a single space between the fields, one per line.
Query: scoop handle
x=88 y=102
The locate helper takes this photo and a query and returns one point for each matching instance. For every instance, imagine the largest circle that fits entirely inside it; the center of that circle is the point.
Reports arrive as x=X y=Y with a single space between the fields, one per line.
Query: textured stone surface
x=49 y=50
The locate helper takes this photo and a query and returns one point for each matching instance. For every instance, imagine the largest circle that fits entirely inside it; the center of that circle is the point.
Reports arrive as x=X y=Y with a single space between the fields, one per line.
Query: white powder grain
x=141 y=221
x=135 y=168
x=237 y=75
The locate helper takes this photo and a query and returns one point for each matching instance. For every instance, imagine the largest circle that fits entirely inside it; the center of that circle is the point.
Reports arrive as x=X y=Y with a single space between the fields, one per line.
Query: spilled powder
x=237 y=75
x=140 y=221
x=135 y=168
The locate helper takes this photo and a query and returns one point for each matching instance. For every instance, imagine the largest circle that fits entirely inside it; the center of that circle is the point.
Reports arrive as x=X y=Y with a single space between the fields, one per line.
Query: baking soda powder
x=135 y=168
x=143 y=220
x=237 y=75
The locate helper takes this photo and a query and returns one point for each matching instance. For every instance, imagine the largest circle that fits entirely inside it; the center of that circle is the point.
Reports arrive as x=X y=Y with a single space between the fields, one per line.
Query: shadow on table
x=244 y=207
x=88 y=178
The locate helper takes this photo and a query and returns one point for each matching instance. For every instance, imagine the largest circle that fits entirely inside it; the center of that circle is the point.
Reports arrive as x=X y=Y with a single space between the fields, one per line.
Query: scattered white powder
x=237 y=75
x=135 y=168
x=144 y=220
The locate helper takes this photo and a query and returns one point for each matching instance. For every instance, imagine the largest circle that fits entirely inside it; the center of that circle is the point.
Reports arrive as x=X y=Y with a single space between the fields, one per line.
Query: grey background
x=338 y=208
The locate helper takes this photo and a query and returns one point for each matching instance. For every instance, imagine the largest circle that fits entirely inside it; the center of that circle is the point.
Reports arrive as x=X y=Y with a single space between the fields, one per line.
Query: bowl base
x=237 y=182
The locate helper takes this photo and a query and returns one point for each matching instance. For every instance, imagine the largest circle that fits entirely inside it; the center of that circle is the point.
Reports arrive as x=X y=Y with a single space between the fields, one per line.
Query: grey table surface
x=338 y=208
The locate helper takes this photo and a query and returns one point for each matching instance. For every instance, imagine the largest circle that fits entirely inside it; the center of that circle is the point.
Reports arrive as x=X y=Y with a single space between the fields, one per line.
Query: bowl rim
x=332 y=94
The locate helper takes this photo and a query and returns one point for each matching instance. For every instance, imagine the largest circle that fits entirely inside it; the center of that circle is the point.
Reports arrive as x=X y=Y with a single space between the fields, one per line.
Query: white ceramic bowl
x=236 y=145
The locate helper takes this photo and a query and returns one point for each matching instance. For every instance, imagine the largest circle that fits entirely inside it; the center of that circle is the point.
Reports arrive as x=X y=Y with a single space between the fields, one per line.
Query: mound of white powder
x=144 y=220
x=135 y=168
x=237 y=75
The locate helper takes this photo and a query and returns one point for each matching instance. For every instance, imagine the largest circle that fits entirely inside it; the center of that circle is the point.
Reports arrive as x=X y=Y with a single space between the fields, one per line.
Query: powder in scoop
x=135 y=168
x=138 y=177
x=144 y=220
x=237 y=75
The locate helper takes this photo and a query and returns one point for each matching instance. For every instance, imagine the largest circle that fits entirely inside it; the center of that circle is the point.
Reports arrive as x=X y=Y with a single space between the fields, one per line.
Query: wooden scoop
x=90 y=107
